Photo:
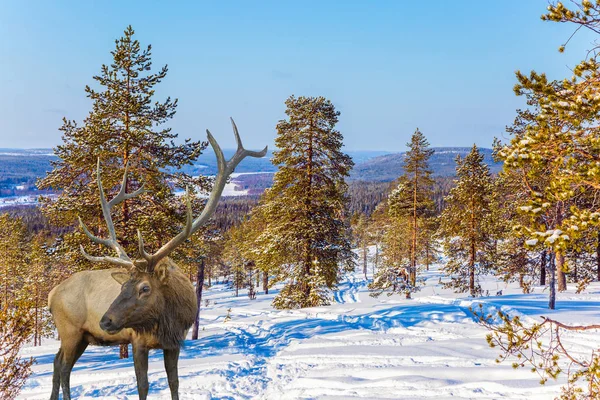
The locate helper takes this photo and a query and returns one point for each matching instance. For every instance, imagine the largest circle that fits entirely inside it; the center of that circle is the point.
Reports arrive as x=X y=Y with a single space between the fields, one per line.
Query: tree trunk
x=365 y=262
x=472 y=256
x=413 y=261
x=552 y=300
x=472 y=270
x=562 y=277
x=307 y=263
x=307 y=204
x=521 y=277
x=37 y=327
x=266 y=282
x=237 y=284
x=199 y=286
x=598 y=256
x=543 y=269
x=377 y=259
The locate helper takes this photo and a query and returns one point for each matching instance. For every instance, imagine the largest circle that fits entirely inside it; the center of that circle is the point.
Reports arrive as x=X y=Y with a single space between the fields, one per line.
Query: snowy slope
x=359 y=347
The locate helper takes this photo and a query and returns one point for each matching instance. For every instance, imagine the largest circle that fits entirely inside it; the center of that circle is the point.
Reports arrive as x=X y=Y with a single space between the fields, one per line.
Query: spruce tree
x=466 y=225
x=126 y=126
x=306 y=238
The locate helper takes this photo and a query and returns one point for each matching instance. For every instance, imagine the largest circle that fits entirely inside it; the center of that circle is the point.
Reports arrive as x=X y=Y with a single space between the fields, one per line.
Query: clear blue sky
x=446 y=67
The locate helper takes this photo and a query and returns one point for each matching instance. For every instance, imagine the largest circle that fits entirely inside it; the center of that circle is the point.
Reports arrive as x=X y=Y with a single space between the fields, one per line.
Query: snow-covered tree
x=127 y=125
x=16 y=326
x=305 y=210
x=556 y=152
x=408 y=238
x=466 y=223
x=412 y=197
x=393 y=273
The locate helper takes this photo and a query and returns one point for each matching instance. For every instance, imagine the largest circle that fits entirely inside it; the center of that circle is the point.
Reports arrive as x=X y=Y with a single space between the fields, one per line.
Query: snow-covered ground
x=18 y=201
x=359 y=347
x=230 y=187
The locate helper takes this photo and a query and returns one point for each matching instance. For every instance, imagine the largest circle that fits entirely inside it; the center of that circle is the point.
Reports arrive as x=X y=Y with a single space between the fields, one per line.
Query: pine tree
x=410 y=204
x=253 y=248
x=559 y=144
x=200 y=256
x=412 y=197
x=13 y=268
x=393 y=272
x=38 y=284
x=235 y=255
x=512 y=260
x=16 y=318
x=126 y=126
x=15 y=330
x=429 y=248
x=466 y=224
x=379 y=225
x=306 y=237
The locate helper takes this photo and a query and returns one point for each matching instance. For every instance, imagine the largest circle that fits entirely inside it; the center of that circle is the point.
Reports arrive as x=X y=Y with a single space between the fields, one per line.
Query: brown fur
x=161 y=320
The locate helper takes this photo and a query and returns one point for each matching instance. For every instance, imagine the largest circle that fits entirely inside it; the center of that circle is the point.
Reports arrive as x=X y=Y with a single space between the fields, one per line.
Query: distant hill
x=207 y=162
x=20 y=168
x=388 y=167
x=24 y=166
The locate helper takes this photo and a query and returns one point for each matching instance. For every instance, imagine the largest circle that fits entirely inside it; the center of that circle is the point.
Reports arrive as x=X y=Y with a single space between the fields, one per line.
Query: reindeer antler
x=150 y=261
x=123 y=259
x=225 y=170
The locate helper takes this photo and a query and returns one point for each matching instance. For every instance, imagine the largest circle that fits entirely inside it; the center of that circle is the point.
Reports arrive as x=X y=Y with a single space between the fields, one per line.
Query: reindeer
x=147 y=302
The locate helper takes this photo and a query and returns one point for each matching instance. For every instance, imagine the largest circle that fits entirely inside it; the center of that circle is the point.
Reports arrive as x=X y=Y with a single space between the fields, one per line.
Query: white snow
x=18 y=200
x=359 y=347
x=27 y=200
x=230 y=187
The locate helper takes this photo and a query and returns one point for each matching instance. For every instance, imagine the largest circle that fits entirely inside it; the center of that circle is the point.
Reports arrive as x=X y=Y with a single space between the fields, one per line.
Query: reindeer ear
x=162 y=271
x=121 y=277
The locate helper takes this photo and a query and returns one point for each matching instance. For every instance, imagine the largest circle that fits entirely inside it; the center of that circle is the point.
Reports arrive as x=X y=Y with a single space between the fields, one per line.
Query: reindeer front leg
x=171 y=358
x=140 y=363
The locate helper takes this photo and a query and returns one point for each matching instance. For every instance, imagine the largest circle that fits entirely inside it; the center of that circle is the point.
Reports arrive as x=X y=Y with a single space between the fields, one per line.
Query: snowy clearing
x=359 y=347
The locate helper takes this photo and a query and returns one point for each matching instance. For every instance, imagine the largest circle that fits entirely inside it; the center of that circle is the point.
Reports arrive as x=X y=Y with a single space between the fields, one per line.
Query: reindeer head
x=142 y=299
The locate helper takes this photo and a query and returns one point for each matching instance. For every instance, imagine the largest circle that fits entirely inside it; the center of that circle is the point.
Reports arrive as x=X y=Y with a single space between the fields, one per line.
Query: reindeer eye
x=144 y=289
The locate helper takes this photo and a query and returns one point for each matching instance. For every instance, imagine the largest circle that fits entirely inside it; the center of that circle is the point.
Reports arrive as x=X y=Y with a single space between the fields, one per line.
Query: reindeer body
x=150 y=304
x=80 y=303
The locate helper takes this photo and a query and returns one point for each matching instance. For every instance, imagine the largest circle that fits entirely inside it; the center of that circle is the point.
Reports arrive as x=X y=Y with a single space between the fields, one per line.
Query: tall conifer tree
x=409 y=204
x=412 y=198
x=126 y=126
x=465 y=223
x=306 y=237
